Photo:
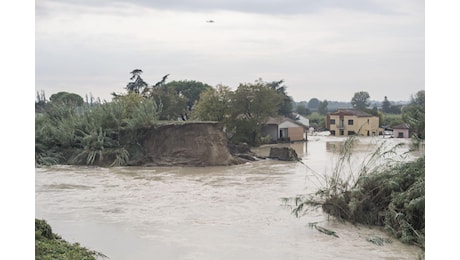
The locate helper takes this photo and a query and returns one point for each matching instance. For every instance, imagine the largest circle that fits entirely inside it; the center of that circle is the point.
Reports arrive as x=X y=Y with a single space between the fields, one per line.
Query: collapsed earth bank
x=187 y=144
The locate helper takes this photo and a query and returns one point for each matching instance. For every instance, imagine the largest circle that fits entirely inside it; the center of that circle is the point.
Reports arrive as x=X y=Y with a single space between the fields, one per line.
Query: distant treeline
x=333 y=106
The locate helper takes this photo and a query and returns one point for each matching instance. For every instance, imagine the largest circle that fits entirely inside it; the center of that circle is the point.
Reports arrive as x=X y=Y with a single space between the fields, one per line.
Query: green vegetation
x=71 y=131
x=360 y=100
x=392 y=120
x=244 y=110
x=414 y=115
x=67 y=98
x=383 y=190
x=317 y=120
x=104 y=133
x=50 y=246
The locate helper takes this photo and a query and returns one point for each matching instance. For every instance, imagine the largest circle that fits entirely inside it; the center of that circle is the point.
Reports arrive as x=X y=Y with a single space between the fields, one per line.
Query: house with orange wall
x=346 y=122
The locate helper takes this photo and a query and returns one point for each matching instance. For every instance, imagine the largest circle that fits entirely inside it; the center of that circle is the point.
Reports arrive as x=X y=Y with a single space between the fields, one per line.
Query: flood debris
x=283 y=154
x=322 y=229
x=380 y=241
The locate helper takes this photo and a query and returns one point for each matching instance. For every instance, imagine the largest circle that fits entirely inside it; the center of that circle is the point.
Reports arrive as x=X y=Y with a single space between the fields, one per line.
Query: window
x=350 y=121
x=351 y=132
x=332 y=122
x=332 y=132
x=342 y=132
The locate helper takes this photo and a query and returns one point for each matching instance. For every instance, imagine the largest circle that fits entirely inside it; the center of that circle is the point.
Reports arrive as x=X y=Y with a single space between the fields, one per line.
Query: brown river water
x=233 y=212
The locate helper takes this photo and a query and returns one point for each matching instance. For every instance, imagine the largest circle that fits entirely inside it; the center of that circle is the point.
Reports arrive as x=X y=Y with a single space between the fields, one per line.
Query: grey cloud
x=252 y=6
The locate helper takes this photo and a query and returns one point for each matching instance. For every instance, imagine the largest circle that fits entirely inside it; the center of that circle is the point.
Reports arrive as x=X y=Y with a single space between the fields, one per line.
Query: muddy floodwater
x=232 y=212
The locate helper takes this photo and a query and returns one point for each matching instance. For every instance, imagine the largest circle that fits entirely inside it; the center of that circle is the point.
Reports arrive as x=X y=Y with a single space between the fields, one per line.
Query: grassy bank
x=50 y=246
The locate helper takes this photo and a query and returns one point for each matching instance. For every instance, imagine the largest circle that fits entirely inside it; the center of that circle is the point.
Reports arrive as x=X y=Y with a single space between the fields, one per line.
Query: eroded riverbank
x=228 y=212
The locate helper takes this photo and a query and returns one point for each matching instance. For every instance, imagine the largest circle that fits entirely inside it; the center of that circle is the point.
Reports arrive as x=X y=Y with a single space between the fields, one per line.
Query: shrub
x=382 y=191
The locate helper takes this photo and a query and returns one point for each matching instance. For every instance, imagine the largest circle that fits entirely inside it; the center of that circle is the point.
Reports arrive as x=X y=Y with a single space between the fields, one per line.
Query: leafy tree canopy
x=313 y=104
x=191 y=90
x=67 y=98
x=214 y=104
x=360 y=100
x=287 y=103
x=414 y=115
x=322 y=108
x=419 y=98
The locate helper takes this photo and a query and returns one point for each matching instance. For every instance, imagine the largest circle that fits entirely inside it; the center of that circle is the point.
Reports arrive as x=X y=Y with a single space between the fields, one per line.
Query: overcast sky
x=327 y=49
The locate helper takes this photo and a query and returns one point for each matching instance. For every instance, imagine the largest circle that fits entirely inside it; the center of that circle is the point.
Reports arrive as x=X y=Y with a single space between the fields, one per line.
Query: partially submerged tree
x=380 y=189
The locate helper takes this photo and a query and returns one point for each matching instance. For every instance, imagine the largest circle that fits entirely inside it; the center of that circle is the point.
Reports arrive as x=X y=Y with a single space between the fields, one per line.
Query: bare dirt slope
x=188 y=144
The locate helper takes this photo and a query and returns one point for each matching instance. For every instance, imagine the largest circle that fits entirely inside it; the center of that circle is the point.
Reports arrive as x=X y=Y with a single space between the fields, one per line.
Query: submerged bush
x=380 y=192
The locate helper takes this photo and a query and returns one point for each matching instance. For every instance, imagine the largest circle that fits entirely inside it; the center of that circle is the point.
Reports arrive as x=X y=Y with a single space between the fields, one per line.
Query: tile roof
x=401 y=126
x=281 y=119
x=351 y=112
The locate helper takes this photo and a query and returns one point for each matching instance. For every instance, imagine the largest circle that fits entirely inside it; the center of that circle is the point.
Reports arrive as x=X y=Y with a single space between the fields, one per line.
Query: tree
x=252 y=105
x=419 y=98
x=40 y=101
x=161 y=82
x=317 y=121
x=256 y=101
x=286 y=106
x=360 y=100
x=214 y=104
x=313 y=104
x=322 y=107
x=172 y=105
x=137 y=85
x=301 y=108
x=414 y=115
x=67 y=98
x=191 y=90
x=386 y=105
x=395 y=109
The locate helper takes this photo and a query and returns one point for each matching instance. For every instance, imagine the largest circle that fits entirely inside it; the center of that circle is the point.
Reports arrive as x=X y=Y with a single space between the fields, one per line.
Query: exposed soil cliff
x=188 y=144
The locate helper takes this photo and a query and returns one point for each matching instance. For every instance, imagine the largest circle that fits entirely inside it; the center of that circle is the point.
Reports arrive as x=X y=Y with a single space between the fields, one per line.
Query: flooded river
x=231 y=212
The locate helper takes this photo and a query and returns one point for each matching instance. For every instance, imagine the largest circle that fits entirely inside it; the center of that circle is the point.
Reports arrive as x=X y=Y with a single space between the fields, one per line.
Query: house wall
x=361 y=125
x=404 y=132
x=289 y=130
x=296 y=133
x=271 y=130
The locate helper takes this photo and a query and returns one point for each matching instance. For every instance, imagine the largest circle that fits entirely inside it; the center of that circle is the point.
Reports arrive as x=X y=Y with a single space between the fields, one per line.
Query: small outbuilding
x=401 y=131
x=285 y=129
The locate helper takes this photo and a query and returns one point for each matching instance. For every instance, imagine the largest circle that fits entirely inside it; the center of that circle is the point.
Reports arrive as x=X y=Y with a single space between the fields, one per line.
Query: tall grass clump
x=383 y=189
x=101 y=134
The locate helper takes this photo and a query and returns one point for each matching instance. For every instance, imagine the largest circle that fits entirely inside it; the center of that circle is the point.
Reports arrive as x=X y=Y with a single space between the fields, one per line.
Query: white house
x=285 y=129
